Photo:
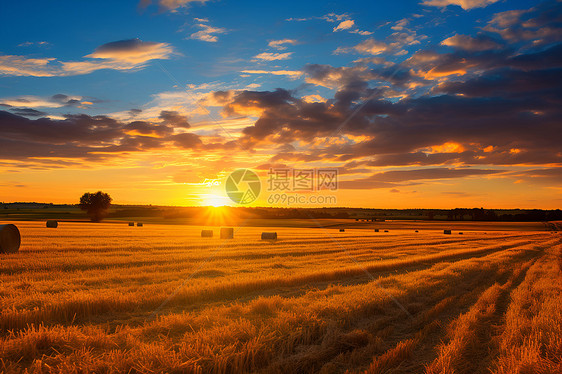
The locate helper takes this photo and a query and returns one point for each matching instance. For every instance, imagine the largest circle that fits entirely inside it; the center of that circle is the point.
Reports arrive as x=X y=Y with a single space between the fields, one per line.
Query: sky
x=416 y=104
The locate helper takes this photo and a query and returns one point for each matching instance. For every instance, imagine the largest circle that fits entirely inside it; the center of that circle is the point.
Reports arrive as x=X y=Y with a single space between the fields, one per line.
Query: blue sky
x=277 y=78
x=73 y=30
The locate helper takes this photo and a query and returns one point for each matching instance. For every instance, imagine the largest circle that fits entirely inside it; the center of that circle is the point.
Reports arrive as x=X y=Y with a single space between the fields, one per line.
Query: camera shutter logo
x=243 y=186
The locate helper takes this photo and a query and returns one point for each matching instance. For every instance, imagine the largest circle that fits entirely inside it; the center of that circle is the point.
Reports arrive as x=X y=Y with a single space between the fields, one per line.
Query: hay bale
x=385 y=230
x=139 y=224
x=461 y=233
x=342 y=230
x=10 y=238
x=227 y=233
x=416 y=231
x=448 y=232
x=52 y=223
x=268 y=236
x=377 y=230
x=131 y=223
x=206 y=233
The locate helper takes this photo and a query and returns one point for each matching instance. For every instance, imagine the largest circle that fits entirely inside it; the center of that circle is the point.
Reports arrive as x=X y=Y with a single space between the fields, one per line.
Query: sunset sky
x=419 y=104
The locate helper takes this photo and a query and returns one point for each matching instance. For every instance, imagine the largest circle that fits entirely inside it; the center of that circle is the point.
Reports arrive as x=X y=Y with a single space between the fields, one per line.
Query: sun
x=214 y=200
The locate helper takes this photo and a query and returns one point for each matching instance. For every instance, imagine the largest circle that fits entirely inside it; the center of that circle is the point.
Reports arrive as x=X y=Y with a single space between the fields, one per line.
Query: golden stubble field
x=112 y=298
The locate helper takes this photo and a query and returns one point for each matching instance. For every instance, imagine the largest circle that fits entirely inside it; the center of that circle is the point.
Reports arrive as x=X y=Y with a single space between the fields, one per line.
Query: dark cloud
x=479 y=43
x=127 y=45
x=174 y=119
x=411 y=177
x=29 y=112
x=135 y=112
x=493 y=102
x=186 y=140
x=147 y=128
x=541 y=24
x=549 y=176
x=84 y=137
x=65 y=100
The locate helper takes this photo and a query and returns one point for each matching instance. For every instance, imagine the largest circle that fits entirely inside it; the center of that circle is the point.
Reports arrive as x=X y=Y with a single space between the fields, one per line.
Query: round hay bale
x=268 y=236
x=10 y=238
x=139 y=224
x=52 y=223
x=416 y=231
x=342 y=230
x=227 y=233
x=131 y=223
x=206 y=233
x=448 y=232
x=377 y=230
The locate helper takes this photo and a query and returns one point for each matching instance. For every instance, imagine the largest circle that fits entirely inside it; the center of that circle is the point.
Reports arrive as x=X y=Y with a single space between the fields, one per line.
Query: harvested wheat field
x=113 y=298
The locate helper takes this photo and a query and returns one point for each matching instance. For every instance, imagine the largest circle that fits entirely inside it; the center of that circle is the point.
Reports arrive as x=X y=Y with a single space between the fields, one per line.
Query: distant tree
x=96 y=205
x=430 y=214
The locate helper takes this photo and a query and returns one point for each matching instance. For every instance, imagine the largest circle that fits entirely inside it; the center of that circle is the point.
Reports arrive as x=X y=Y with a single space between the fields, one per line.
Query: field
x=112 y=298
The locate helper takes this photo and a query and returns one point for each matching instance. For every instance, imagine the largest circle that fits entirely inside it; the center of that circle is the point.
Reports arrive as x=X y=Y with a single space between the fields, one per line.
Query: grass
x=113 y=298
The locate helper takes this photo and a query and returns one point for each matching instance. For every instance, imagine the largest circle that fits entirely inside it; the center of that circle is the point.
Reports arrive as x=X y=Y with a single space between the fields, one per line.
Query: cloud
x=343 y=20
x=132 y=51
x=548 y=176
x=468 y=43
x=401 y=25
x=465 y=4
x=267 y=56
x=292 y=73
x=120 y=55
x=361 y=32
x=30 y=44
x=174 y=119
x=281 y=43
x=89 y=137
x=540 y=24
x=171 y=5
x=22 y=66
x=410 y=177
x=29 y=112
x=344 y=25
x=471 y=107
x=55 y=101
x=368 y=47
x=207 y=33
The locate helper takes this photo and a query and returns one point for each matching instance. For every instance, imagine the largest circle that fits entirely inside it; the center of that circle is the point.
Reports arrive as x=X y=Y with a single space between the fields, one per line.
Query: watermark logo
x=302 y=180
x=211 y=182
x=243 y=186
x=290 y=186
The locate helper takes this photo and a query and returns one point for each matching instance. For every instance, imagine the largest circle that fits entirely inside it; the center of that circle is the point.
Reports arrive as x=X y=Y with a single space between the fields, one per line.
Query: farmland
x=112 y=298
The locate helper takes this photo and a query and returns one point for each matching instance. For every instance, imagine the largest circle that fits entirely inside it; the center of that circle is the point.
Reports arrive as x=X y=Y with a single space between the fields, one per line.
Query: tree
x=95 y=204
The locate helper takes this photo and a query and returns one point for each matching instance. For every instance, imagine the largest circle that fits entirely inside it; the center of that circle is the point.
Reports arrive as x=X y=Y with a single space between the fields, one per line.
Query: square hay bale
x=139 y=224
x=416 y=231
x=10 y=238
x=377 y=230
x=269 y=236
x=227 y=233
x=342 y=230
x=206 y=233
x=131 y=223
x=52 y=223
x=385 y=230
x=448 y=232
x=461 y=233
